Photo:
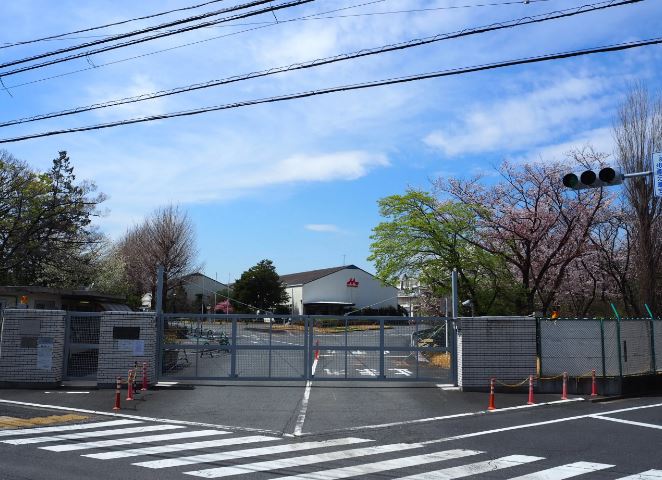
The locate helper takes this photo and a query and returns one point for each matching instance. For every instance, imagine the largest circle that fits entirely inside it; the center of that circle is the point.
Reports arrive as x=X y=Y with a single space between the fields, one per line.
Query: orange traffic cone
x=594 y=385
x=491 y=405
x=117 y=394
x=531 y=400
x=144 y=387
x=129 y=386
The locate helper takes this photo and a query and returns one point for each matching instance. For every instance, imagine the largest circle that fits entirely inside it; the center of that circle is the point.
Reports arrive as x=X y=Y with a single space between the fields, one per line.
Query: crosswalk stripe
x=369 y=468
x=474 y=468
x=649 y=475
x=64 y=428
x=252 y=452
x=96 y=433
x=126 y=441
x=300 y=461
x=564 y=471
x=178 y=447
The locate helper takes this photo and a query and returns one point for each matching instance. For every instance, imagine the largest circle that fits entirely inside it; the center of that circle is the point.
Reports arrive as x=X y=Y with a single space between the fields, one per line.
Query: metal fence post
x=346 y=345
x=538 y=349
x=271 y=326
x=618 y=339
x=160 y=324
x=453 y=339
x=233 y=349
x=602 y=344
x=652 y=333
x=382 y=372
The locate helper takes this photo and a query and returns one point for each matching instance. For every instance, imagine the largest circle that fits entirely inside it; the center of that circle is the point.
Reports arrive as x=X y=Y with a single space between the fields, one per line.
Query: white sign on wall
x=657 y=174
x=45 y=353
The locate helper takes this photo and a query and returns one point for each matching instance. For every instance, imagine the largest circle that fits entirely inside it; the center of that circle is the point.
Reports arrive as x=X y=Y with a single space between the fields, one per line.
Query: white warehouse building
x=338 y=290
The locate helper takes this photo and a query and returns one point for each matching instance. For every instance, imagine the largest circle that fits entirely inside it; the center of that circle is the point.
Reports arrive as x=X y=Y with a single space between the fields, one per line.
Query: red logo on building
x=352 y=283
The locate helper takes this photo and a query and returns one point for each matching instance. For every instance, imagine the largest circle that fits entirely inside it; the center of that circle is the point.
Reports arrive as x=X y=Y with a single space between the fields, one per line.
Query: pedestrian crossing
x=217 y=453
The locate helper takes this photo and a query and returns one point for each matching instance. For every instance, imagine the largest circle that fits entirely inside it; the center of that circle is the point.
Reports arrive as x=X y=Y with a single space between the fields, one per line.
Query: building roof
x=302 y=278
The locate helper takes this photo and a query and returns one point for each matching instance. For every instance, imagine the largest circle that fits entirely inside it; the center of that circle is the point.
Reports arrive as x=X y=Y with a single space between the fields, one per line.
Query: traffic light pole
x=638 y=174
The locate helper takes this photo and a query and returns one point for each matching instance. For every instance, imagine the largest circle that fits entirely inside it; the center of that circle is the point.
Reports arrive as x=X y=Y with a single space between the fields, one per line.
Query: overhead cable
x=324 y=61
x=269 y=24
x=344 y=88
x=144 y=39
x=66 y=36
x=100 y=27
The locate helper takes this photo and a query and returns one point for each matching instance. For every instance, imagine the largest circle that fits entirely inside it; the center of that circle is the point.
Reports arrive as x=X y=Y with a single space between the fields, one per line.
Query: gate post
x=233 y=349
x=451 y=325
x=160 y=326
x=652 y=333
x=382 y=372
x=67 y=338
x=618 y=337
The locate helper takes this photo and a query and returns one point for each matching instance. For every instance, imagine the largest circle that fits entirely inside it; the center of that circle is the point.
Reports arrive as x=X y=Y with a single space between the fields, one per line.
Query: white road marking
x=96 y=433
x=178 y=447
x=475 y=468
x=628 y=422
x=131 y=440
x=536 y=424
x=565 y=471
x=298 y=427
x=300 y=461
x=370 y=468
x=64 y=428
x=367 y=372
x=251 y=452
x=459 y=415
x=649 y=475
x=138 y=417
x=67 y=392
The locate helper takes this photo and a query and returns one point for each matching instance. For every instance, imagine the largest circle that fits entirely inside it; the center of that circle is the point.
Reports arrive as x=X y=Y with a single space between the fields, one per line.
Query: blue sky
x=298 y=182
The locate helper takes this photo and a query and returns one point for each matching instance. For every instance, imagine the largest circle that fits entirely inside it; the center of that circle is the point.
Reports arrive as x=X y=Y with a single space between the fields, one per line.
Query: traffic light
x=589 y=179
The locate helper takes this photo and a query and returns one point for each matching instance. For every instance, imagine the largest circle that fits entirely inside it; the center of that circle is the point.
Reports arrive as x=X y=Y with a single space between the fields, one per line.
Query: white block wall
x=19 y=364
x=114 y=362
x=495 y=347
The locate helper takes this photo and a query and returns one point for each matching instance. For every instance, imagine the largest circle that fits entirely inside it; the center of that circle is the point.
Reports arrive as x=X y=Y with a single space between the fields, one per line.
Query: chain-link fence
x=611 y=347
x=279 y=347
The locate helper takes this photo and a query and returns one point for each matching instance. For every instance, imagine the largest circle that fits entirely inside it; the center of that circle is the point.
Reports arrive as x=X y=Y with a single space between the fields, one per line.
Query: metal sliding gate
x=81 y=345
x=243 y=347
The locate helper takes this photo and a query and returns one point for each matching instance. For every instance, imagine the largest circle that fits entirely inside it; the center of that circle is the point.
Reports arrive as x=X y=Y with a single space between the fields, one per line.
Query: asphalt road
x=359 y=432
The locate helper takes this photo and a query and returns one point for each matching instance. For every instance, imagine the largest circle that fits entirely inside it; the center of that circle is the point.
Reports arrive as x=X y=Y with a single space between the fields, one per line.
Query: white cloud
x=138 y=181
x=524 y=121
x=140 y=84
x=322 y=227
x=599 y=138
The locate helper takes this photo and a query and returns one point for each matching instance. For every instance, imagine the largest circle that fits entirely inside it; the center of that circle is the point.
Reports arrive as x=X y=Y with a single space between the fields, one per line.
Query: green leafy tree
x=259 y=287
x=427 y=238
x=46 y=232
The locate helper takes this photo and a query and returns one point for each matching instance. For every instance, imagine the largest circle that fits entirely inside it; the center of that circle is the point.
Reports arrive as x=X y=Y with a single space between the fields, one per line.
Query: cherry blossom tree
x=533 y=223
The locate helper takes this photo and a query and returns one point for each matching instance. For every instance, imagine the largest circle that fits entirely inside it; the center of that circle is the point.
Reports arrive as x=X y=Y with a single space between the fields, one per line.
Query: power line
x=328 y=60
x=144 y=39
x=345 y=88
x=310 y=17
x=59 y=36
x=269 y=24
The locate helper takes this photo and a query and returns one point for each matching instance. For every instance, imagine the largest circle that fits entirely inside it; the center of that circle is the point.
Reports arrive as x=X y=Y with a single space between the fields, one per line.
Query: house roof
x=302 y=278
